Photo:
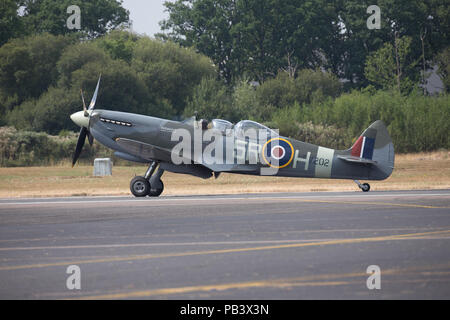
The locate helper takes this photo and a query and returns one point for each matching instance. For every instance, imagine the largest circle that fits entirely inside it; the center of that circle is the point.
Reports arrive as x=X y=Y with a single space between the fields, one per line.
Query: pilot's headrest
x=204 y=124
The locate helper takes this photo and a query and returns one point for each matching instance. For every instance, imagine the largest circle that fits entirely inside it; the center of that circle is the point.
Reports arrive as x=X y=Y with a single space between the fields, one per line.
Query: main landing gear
x=150 y=184
x=365 y=187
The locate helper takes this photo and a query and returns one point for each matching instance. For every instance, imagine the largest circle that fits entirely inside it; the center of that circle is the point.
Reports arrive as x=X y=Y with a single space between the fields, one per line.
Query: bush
x=169 y=71
x=28 y=65
x=287 y=121
x=415 y=122
x=211 y=100
x=309 y=86
x=41 y=77
x=26 y=148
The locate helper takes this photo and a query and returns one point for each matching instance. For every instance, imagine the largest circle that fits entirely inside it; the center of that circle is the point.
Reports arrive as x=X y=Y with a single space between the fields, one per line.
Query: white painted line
x=356 y=196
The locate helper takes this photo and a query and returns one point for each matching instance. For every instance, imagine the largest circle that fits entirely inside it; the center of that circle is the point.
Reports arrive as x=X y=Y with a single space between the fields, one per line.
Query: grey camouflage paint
x=144 y=139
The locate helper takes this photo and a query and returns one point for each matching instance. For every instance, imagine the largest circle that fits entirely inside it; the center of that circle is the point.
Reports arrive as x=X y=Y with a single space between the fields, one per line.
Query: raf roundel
x=278 y=153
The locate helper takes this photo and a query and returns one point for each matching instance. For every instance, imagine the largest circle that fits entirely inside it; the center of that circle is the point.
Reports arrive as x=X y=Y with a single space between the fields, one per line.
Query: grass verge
x=412 y=171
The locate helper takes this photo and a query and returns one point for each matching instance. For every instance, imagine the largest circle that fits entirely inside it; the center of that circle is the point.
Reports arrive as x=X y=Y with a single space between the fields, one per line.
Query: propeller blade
x=84 y=103
x=94 y=97
x=80 y=144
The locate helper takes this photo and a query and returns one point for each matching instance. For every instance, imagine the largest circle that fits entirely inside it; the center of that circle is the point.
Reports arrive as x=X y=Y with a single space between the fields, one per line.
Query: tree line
x=258 y=38
x=41 y=77
x=310 y=68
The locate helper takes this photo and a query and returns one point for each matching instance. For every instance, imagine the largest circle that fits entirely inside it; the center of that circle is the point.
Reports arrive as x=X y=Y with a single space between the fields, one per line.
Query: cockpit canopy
x=250 y=128
x=244 y=128
x=221 y=125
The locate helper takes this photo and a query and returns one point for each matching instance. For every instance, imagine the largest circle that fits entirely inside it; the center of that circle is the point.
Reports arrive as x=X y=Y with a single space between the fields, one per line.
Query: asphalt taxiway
x=249 y=246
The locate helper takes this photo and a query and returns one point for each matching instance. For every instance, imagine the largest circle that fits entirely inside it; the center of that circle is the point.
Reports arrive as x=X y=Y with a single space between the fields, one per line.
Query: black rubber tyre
x=139 y=187
x=156 y=192
x=365 y=187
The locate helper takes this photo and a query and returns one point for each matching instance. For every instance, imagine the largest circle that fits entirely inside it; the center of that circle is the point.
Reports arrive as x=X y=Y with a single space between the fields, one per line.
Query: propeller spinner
x=81 y=118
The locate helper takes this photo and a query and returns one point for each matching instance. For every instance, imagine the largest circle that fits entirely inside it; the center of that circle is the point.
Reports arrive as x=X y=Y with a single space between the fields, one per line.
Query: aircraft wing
x=144 y=150
x=357 y=160
x=150 y=152
x=232 y=167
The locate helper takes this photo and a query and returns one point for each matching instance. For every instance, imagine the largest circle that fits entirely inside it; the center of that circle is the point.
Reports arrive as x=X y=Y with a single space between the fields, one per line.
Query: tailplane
x=374 y=147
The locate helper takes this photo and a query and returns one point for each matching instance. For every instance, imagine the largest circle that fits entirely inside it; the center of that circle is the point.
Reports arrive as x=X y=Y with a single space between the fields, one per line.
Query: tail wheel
x=365 y=187
x=140 y=187
x=156 y=192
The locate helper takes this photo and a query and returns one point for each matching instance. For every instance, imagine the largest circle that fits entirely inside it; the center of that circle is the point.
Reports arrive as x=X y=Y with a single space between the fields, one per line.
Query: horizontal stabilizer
x=357 y=159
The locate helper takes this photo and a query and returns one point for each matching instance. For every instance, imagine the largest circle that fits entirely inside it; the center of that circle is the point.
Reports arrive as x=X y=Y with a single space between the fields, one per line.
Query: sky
x=146 y=14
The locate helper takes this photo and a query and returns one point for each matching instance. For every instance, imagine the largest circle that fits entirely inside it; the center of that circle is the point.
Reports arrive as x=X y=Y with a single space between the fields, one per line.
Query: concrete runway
x=251 y=246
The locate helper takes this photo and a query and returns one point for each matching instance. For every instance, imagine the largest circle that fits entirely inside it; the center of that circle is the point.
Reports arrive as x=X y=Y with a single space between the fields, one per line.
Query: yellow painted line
x=160 y=244
x=224 y=251
x=307 y=281
x=206 y=288
x=316 y=280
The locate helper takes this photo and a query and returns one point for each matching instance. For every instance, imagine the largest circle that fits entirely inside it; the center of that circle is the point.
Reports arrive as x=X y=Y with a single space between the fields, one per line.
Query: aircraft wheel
x=156 y=192
x=365 y=187
x=139 y=187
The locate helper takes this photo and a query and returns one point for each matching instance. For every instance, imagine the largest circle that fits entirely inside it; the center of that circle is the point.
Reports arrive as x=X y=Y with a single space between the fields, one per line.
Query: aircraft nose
x=80 y=119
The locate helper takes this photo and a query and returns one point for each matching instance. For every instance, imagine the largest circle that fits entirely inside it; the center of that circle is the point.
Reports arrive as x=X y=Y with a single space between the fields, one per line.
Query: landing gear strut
x=365 y=187
x=150 y=184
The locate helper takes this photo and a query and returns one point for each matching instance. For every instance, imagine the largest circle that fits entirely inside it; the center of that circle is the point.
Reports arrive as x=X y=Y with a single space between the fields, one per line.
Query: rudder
x=376 y=145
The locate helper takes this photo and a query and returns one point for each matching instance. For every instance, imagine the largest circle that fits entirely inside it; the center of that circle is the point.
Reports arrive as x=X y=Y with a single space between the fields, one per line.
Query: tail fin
x=364 y=146
x=374 y=147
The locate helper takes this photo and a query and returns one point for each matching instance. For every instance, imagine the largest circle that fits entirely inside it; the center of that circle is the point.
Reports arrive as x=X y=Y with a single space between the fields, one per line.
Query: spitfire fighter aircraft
x=156 y=142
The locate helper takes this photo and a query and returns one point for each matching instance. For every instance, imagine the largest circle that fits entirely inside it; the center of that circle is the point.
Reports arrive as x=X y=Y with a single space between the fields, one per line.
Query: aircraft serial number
x=321 y=161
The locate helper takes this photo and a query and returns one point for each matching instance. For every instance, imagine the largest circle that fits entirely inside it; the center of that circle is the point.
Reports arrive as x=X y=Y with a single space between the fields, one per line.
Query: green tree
x=245 y=102
x=348 y=50
x=170 y=71
x=49 y=113
x=119 y=44
x=211 y=100
x=121 y=88
x=76 y=57
x=392 y=67
x=380 y=67
x=301 y=33
x=252 y=38
x=97 y=16
x=309 y=86
x=209 y=26
x=257 y=38
x=28 y=67
x=142 y=76
x=10 y=24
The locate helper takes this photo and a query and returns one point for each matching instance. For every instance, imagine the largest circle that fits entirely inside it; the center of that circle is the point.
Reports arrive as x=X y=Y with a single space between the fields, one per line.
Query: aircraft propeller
x=81 y=118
